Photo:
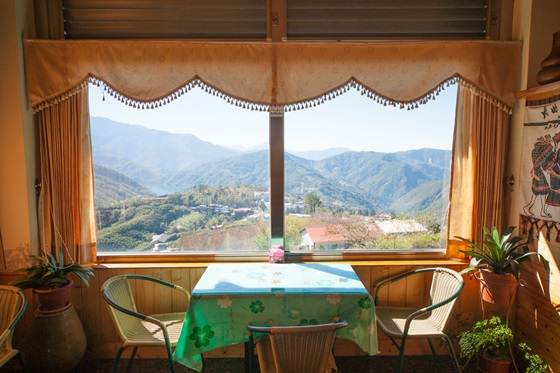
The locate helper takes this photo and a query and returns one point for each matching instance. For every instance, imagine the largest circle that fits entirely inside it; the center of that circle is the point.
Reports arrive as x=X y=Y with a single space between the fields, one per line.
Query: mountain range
x=132 y=160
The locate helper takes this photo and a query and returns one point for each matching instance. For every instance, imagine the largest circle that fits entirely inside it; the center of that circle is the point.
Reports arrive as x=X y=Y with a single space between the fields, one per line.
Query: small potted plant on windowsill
x=50 y=281
x=496 y=263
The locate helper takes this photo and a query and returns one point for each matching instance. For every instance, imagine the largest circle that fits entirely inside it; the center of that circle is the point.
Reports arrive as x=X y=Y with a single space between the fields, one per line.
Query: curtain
x=66 y=210
x=477 y=169
x=270 y=77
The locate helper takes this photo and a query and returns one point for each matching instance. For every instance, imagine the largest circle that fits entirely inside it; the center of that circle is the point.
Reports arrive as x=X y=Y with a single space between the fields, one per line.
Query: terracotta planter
x=489 y=365
x=55 y=299
x=496 y=289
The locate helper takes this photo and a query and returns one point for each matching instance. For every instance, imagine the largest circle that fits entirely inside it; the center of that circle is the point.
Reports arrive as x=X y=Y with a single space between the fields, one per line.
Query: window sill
x=203 y=260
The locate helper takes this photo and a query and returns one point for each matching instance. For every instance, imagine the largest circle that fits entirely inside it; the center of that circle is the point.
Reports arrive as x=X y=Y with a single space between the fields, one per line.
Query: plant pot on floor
x=488 y=365
x=496 y=288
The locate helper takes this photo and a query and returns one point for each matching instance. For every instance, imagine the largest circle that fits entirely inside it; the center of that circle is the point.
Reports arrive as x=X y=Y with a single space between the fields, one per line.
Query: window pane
x=360 y=175
x=191 y=176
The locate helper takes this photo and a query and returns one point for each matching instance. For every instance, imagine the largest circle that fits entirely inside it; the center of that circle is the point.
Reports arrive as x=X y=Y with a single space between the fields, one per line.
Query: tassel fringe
x=276 y=108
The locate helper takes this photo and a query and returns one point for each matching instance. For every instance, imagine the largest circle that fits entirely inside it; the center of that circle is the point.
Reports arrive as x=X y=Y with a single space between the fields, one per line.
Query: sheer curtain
x=268 y=77
x=478 y=165
x=66 y=211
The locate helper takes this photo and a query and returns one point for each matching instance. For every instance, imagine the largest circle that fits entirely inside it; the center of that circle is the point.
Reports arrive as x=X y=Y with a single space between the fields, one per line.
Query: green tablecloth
x=230 y=296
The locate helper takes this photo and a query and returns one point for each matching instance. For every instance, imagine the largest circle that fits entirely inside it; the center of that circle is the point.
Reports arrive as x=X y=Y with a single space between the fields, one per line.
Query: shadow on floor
x=416 y=364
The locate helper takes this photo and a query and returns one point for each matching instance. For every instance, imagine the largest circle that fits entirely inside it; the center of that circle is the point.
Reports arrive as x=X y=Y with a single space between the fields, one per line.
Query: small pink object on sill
x=276 y=254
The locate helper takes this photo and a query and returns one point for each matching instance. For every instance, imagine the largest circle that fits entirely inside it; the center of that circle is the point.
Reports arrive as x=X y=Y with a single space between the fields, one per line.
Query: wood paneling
x=103 y=341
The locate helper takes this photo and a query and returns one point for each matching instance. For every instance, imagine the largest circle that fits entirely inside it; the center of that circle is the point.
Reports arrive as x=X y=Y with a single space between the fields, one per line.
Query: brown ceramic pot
x=550 y=71
x=55 y=299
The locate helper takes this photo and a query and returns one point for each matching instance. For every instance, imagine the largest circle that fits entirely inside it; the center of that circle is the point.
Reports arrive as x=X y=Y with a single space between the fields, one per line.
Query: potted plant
x=496 y=263
x=56 y=337
x=50 y=281
x=491 y=343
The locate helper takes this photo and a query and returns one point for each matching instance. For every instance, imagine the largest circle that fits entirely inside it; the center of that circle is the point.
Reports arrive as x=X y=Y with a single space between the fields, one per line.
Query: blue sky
x=349 y=121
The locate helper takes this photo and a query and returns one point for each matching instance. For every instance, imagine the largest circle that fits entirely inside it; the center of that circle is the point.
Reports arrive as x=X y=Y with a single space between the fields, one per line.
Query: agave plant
x=50 y=273
x=500 y=254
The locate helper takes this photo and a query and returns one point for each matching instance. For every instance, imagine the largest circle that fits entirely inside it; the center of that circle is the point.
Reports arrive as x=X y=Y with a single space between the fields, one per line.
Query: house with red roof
x=323 y=238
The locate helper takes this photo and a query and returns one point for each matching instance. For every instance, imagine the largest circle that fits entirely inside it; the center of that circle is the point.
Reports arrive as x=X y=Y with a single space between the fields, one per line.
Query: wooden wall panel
x=538 y=303
x=103 y=341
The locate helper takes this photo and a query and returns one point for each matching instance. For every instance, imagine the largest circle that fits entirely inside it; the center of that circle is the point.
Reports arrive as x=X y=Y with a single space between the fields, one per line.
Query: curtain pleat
x=477 y=168
x=66 y=211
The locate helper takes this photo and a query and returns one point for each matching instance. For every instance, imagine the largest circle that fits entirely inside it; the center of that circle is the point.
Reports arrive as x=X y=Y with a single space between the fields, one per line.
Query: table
x=229 y=296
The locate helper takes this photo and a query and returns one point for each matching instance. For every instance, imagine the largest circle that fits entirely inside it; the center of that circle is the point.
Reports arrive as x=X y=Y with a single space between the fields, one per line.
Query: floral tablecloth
x=230 y=296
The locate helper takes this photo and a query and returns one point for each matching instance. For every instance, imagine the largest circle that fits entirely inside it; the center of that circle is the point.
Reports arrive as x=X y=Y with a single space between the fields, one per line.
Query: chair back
x=118 y=295
x=446 y=286
x=13 y=303
x=301 y=349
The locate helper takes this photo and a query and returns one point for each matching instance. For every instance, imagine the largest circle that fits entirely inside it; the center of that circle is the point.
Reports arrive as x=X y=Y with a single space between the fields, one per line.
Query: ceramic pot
x=55 y=299
x=496 y=288
x=488 y=365
x=550 y=71
x=57 y=341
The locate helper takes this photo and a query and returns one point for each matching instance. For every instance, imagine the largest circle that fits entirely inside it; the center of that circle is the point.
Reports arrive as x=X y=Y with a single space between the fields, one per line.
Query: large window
x=362 y=176
x=193 y=175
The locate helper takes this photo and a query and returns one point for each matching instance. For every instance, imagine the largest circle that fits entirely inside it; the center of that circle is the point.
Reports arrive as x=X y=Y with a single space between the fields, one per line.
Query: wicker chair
x=13 y=303
x=136 y=329
x=428 y=322
x=296 y=349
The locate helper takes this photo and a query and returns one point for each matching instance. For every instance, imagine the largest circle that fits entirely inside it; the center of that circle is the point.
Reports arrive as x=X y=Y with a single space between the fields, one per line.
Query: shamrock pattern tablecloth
x=230 y=296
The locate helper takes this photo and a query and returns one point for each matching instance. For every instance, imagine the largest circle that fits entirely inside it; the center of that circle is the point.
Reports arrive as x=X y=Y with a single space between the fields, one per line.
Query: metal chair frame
x=133 y=331
x=414 y=316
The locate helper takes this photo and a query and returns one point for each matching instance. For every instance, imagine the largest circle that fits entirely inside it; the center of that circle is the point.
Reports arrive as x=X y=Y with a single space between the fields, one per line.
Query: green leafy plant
x=490 y=337
x=500 y=254
x=494 y=339
x=50 y=273
x=535 y=363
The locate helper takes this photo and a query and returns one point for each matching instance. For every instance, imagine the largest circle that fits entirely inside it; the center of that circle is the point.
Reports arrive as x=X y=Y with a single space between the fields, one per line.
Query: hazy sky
x=349 y=121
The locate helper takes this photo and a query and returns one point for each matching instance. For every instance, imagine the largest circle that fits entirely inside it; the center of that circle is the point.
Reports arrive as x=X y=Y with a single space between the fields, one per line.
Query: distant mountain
x=317 y=155
x=407 y=181
x=149 y=156
x=112 y=187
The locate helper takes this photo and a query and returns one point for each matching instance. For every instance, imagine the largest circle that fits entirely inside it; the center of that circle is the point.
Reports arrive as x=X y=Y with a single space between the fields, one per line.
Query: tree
x=311 y=202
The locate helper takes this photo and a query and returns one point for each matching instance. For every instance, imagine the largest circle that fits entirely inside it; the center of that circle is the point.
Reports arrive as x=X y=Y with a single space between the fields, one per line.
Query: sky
x=350 y=121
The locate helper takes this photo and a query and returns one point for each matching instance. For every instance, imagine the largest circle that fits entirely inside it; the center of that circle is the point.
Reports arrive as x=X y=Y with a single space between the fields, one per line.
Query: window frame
x=277 y=214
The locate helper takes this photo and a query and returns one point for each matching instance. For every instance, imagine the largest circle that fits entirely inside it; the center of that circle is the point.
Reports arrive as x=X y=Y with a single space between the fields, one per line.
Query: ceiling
x=270 y=19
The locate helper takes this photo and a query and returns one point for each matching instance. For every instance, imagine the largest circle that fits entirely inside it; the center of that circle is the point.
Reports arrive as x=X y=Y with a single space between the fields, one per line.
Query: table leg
x=249 y=355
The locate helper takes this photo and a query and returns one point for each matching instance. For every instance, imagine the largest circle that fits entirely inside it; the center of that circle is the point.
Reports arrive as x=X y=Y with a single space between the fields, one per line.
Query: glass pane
x=190 y=176
x=360 y=175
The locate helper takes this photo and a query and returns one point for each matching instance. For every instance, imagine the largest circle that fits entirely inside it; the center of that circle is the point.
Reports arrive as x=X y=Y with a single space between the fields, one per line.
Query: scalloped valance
x=269 y=76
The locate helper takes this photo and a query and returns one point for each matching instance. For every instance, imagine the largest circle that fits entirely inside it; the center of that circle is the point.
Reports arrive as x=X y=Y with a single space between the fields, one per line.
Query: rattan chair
x=427 y=322
x=13 y=303
x=136 y=329
x=296 y=349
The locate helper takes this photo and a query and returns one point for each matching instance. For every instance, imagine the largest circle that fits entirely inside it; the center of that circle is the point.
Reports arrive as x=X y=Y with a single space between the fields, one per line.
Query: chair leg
x=452 y=353
x=433 y=352
x=131 y=360
x=170 y=356
x=22 y=362
x=401 y=355
x=117 y=358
